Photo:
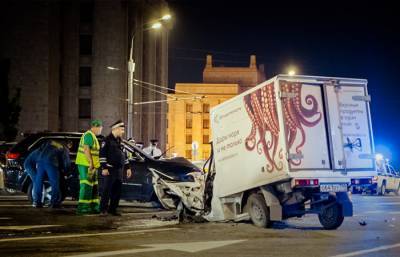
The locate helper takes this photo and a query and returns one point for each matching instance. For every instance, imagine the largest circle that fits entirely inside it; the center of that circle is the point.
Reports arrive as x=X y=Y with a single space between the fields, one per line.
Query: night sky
x=338 y=39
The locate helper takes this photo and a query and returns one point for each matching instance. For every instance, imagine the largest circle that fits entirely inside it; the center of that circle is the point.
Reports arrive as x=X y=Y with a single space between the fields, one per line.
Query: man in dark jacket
x=113 y=161
x=53 y=159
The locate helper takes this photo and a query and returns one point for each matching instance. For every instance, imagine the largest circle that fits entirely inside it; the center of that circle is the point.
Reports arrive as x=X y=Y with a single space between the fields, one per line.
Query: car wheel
x=258 y=211
x=46 y=193
x=383 y=189
x=398 y=190
x=331 y=217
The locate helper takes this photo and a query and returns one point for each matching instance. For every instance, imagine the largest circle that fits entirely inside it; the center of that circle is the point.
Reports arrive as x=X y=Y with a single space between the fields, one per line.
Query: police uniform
x=112 y=158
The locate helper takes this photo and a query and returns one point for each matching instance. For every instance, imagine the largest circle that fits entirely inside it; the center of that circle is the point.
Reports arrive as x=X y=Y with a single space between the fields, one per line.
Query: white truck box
x=306 y=131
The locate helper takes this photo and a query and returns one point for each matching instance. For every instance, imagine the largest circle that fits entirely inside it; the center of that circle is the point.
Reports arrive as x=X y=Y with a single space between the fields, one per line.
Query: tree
x=10 y=107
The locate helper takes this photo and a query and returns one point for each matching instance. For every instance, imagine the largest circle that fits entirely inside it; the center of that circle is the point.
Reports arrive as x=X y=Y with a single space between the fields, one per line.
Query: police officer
x=113 y=161
x=152 y=149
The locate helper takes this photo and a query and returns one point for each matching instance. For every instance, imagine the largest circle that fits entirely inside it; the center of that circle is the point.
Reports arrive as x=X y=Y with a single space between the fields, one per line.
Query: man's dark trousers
x=112 y=185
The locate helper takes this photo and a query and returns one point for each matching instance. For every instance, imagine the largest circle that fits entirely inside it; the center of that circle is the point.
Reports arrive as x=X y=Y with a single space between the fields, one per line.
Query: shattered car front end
x=186 y=196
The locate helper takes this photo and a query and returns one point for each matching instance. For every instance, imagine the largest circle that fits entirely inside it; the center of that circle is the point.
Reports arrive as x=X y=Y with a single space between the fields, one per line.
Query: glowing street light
x=156 y=25
x=131 y=70
x=166 y=17
x=292 y=72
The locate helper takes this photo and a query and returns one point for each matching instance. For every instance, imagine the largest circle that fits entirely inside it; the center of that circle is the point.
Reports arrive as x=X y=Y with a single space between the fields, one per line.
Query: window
x=206 y=123
x=206 y=139
x=85 y=76
x=85 y=108
x=189 y=123
x=85 y=44
x=189 y=139
x=188 y=154
x=206 y=108
x=86 y=11
x=189 y=108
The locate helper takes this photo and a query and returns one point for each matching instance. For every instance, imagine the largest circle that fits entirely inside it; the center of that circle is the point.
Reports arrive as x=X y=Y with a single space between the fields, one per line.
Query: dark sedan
x=139 y=187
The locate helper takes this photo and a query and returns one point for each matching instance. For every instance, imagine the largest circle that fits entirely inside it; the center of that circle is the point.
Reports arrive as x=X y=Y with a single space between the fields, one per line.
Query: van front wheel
x=258 y=211
x=331 y=217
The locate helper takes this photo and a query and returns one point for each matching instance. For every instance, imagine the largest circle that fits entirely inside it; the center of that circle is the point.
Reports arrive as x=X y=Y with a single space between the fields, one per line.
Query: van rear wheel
x=331 y=217
x=258 y=211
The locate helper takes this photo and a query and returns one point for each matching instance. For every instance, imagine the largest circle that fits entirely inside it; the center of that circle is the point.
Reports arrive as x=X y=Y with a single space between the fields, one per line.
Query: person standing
x=113 y=162
x=30 y=166
x=53 y=160
x=152 y=149
x=87 y=161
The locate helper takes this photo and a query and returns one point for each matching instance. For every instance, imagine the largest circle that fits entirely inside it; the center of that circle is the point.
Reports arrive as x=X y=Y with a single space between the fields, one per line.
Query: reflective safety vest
x=95 y=150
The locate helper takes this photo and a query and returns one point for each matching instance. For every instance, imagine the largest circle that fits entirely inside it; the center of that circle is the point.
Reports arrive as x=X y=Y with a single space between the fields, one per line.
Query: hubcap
x=258 y=213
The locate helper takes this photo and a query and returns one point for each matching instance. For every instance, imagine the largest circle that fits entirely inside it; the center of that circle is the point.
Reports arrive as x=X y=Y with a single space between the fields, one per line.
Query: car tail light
x=12 y=156
x=306 y=182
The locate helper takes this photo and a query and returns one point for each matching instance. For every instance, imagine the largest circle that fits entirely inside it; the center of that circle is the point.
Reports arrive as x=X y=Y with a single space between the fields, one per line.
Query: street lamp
x=131 y=69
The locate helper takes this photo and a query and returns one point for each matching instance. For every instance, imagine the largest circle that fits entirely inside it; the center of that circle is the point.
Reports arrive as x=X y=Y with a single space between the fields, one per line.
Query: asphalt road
x=145 y=231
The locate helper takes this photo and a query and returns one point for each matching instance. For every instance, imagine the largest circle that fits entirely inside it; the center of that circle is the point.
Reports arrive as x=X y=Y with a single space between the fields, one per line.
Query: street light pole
x=131 y=70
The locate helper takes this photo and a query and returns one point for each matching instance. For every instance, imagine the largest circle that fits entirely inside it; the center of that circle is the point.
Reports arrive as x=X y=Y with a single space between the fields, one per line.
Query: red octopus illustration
x=261 y=108
x=296 y=116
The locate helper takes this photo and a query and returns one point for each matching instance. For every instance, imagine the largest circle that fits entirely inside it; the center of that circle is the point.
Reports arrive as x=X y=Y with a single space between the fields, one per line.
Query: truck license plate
x=339 y=187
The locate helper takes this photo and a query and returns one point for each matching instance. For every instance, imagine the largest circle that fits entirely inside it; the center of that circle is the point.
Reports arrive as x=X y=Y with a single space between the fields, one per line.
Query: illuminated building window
x=188 y=154
x=206 y=108
x=206 y=123
x=189 y=123
x=189 y=108
x=206 y=139
x=189 y=139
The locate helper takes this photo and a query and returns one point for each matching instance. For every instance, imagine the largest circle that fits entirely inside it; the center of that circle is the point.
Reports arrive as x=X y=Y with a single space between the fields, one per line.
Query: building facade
x=69 y=58
x=188 y=130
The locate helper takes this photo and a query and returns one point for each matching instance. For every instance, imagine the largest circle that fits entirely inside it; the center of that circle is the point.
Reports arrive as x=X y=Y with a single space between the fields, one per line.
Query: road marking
x=86 y=235
x=5 y=218
x=27 y=227
x=372 y=212
x=392 y=203
x=191 y=247
x=14 y=205
x=394 y=212
x=362 y=252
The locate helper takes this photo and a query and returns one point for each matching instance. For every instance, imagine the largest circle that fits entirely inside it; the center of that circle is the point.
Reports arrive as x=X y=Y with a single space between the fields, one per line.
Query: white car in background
x=388 y=180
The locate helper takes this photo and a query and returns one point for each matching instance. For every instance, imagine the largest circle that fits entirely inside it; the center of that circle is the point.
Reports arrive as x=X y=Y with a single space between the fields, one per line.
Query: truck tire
x=383 y=189
x=258 y=211
x=331 y=217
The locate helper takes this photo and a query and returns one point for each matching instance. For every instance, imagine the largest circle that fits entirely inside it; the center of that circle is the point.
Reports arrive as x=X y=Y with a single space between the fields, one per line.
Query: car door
x=136 y=187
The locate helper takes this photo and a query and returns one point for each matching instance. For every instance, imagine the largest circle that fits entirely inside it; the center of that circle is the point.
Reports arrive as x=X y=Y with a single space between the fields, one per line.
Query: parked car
x=139 y=187
x=4 y=147
x=388 y=180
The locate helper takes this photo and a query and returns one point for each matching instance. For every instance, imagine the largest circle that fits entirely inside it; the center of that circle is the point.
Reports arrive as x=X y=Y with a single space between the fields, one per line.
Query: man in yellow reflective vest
x=87 y=161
